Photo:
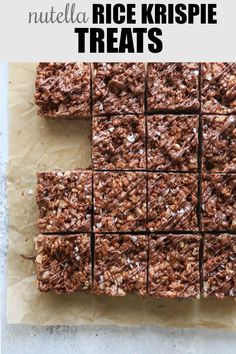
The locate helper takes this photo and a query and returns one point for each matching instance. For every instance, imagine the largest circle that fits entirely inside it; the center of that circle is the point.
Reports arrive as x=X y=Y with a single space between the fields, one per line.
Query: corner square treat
x=219 y=202
x=219 y=143
x=119 y=142
x=218 y=92
x=120 y=265
x=63 y=263
x=172 y=87
x=118 y=88
x=64 y=201
x=172 y=202
x=172 y=143
x=219 y=270
x=63 y=90
x=119 y=201
x=173 y=270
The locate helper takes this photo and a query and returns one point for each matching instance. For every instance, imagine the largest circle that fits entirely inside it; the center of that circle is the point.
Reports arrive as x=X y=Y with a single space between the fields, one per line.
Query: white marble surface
x=90 y=339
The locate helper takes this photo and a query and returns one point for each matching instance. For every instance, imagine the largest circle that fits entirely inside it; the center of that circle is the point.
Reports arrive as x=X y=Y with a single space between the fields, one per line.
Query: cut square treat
x=119 y=143
x=219 y=143
x=219 y=270
x=172 y=143
x=172 y=202
x=172 y=87
x=63 y=90
x=219 y=202
x=173 y=270
x=63 y=263
x=218 y=92
x=119 y=201
x=118 y=88
x=120 y=264
x=65 y=201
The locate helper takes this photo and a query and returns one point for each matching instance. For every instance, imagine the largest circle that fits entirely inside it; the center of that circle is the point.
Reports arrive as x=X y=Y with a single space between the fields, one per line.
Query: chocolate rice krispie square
x=219 y=143
x=172 y=202
x=119 y=143
x=219 y=270
x=65 y=201
x=218 y=88
x=172 y=143
x=63 y=263
x=118 y=88
x=63 y=90
x=173 y=270
x=219 y=202
x=173 y=87
x=119 y=201
x=120 y=264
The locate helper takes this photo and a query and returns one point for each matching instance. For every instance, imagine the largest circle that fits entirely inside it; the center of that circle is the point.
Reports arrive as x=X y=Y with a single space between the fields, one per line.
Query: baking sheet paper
x=37 y=145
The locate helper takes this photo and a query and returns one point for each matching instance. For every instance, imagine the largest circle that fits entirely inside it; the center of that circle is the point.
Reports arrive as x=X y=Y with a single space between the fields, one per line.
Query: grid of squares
x=164 y=163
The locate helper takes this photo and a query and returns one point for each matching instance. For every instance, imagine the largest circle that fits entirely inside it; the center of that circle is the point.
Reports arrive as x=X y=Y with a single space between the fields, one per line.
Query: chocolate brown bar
x=63 y=90
x=218 y=88
x=172 y=143
x=65 y=201
x=119 y=143
x=120 y=264
x=219 y=202
x=118 y=88
x=172 y=202
x=63 y=263
x=219 y=143
x=219 y=271
x=172 y=87
x=173 y=270
x=119 y=201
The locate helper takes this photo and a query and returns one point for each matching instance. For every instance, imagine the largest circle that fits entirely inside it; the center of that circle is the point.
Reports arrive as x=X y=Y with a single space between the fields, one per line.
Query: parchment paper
x=36 y=145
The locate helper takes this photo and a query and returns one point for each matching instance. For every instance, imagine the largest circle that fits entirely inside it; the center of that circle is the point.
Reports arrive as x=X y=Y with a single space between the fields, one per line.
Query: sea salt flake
x=131 y=138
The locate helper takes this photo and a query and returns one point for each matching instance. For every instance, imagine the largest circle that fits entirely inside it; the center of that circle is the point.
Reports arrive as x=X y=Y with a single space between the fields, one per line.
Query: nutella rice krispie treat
x=120 y=264
x=172 y=202
x=172 y=143
x=63 y=263
x=118 y=143
x=173 y=87
x=65 y=201
x=219 y=143
x=173 y=270
x=63 y=90
x=219 y=202
x=119 y=201
x=218 y=88
x=219 y=270
x=118 y=88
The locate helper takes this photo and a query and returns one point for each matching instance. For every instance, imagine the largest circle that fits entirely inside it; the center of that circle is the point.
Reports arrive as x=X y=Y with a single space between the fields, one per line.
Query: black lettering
x=181 y=17
x=203 y=13
x=139 y=43
x=117 y=10
x=160 y=14
x=156 y=46
x=131 y=14
x=126 y=41
x=170 y=14
x=81 y=38
x=97 y=40
x=193 y=11
x=147 y=13
x=98 y=13
x=212 y=13
x=111 y=40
